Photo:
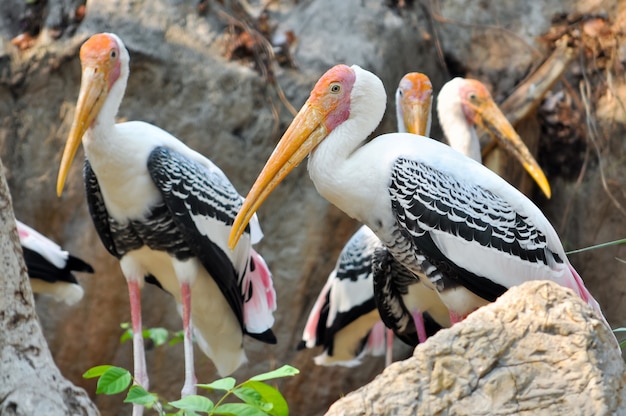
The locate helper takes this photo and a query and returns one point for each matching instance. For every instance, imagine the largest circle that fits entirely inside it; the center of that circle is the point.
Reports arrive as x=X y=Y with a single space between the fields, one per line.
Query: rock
x=538 y=350
x=30 y=382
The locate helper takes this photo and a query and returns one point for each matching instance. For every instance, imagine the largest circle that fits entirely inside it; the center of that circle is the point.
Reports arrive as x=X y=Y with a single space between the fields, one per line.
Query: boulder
x=538 y=350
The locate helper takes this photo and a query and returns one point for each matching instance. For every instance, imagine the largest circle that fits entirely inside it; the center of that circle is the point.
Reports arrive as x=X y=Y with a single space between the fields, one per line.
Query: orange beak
x=93 y=93
x=490 y=118
x=306 y=131
x=416 y=115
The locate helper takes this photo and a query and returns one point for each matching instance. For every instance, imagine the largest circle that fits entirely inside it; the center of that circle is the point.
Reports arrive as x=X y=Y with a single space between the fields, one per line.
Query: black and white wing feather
x=203 y=204
x=346 y=296
x=391 y=281
x=453 y=224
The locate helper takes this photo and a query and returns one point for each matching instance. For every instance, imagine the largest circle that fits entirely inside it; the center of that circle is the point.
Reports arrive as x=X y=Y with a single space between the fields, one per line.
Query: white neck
x=330 y=164
x=460 y=134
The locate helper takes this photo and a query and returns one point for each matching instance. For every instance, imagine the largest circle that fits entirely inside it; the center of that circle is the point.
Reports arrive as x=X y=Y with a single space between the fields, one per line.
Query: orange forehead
x=416 y=85
x=342 y=74
x=97 y=46
x=475 y=86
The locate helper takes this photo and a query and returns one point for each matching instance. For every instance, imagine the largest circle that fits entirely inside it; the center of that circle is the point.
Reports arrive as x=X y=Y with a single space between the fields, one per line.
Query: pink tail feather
x=309 y=335
x=258 y=309
x=585 y=295
x=376 y=342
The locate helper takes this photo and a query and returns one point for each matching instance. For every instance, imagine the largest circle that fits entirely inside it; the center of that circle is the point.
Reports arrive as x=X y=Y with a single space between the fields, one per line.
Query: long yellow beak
x=93 y=93
x=490 y=118
x=303 y=135
x=415 y=116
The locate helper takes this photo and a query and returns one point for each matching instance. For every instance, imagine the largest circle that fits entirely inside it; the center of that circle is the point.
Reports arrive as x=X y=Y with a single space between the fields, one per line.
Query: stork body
x=438 y=212
x=165 y=211
x=50 y=268
x=345 y=311
x=457 y=101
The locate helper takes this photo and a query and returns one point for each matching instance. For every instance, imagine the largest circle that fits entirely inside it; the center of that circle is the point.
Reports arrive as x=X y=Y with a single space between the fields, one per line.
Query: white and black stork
x=470 y=233
x=345 y=313
x=50 y=268
x=165 y=211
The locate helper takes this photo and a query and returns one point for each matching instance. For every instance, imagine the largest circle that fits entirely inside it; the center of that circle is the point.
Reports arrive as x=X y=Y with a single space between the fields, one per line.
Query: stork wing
x=351 y=293
x=203 y=204
x=98 y=210
x=456 y=225
x=347 y=295
x=390 y=283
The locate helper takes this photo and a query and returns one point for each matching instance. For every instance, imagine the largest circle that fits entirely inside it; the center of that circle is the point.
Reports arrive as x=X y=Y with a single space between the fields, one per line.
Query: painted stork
x=165 y=212
x=50 y=267
x=344 y=316
x=438 y=212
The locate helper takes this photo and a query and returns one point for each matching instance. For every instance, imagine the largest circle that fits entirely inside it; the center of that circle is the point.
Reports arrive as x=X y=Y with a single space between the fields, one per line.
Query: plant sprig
x=258 y=398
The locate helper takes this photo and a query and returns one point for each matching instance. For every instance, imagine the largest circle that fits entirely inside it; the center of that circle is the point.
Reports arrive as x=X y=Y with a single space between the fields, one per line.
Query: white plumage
x=165 y=211
x=437 y=211
x=345 y=313
x=50 y=267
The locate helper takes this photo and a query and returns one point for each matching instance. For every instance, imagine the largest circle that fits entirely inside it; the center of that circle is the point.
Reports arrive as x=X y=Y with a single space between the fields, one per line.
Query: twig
x=529 y=94
x=584 y=87
x=266 y=68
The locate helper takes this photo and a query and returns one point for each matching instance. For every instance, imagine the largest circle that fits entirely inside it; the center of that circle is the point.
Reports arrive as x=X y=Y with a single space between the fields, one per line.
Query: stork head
x=340 y=93
x=479 y=109
x=104 y=61
x=413 y=104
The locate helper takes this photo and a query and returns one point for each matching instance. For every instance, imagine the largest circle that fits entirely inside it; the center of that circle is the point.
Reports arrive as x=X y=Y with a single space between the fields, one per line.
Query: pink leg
x=389 y=351
x=190 y=376
x=139 y=356
x=419 y=325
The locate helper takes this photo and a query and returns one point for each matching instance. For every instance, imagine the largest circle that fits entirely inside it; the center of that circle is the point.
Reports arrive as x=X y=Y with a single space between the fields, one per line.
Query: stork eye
x=335 y=88
x=113 y=54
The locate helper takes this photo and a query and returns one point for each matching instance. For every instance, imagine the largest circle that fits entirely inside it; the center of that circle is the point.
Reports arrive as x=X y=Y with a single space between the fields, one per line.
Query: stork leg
x=139 y=357
x=190 y=376
x=389 y=350
x=419 y=326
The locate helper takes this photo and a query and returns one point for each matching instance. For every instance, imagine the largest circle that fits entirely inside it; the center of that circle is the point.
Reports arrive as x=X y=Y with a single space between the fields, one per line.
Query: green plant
x=158 y=335
x=257 y=398
x=597 y=246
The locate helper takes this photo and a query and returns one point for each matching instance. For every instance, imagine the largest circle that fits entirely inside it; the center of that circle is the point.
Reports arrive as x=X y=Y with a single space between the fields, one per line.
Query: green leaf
x=226 y=384
x=126 y=335
x=158 y=335
x=139 y=395
x=238 y=409
x=284 y=371
x=194 y=403
x=177 y=337
x=252 y=397
x=96 y=371
x=272 y=401
x=114 y=380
